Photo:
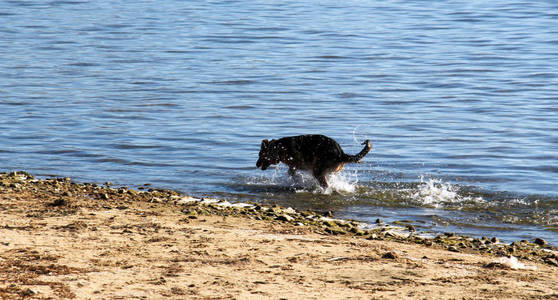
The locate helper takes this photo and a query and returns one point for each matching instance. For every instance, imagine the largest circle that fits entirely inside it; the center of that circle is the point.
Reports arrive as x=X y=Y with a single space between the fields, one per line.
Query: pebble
x=551 y=261
x=59 y=202
x=390 y=255
x=28 y=292
x=540 y=242
x=335 y=231
x=357 y=231
x=285 y=218
x=330 y=224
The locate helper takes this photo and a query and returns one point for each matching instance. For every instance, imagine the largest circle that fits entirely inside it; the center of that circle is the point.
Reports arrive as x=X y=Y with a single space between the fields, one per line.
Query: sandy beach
x=59 y=239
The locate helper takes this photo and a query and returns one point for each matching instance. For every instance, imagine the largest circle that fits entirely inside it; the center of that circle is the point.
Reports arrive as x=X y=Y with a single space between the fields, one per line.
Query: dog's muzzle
x=262 y=165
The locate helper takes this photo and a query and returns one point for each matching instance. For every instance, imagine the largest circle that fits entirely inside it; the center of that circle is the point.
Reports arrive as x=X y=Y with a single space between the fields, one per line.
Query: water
x=460 y=100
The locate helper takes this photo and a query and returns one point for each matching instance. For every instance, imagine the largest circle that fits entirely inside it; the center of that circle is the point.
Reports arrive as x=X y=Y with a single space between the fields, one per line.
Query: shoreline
x=63 y=239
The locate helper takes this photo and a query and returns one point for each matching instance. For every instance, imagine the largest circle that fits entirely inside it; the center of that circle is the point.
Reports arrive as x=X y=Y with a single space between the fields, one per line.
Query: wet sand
x=59 y=239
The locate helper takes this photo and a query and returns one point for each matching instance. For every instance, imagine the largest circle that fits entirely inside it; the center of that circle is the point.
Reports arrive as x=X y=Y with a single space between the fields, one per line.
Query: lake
x=459 y=98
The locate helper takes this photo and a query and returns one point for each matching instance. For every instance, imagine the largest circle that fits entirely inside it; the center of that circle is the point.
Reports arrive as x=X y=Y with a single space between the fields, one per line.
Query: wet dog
x=318 y=154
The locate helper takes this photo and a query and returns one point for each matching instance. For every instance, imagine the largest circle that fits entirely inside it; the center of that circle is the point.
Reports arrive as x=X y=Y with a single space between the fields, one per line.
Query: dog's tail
x=356 y=158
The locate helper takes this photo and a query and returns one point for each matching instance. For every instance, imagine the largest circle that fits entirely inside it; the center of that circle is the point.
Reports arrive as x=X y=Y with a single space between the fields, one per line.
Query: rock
x=390 y=234
x=390 y=255
x=495 y=240
x=58 y=202
x=551 y=261
x=284 y=218
x=379 y=221
x=276 y=210
x=453 y=249
x=289 y=210
x=335 y=230
x=373 y=236
x=28 y=292
x=540 y=242
x=357 y=231
x=307 y=214
x=330 y=224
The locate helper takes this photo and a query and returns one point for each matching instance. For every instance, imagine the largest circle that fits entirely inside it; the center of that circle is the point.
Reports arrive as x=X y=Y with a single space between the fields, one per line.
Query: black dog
x=317 y=153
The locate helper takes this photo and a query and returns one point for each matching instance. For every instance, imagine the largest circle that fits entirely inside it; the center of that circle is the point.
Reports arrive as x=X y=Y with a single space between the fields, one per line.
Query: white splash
x=436 y=193
x=343 y=182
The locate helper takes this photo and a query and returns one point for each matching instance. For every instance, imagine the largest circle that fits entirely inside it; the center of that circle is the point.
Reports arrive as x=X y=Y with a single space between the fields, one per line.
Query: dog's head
x=267 y=156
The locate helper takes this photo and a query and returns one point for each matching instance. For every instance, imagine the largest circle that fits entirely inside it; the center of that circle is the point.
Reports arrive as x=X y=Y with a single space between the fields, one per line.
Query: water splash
x=343 y=183
x=303 y=182
x=354 y=134
x=439 y=194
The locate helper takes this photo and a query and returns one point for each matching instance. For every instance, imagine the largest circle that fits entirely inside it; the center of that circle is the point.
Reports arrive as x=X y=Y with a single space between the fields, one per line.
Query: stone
x=335 y=231
x=551 y=261
x=540 y=242
x=330 y=224
x=58 y=202
x=390 y=255
x=357 y=231
x=284 y=218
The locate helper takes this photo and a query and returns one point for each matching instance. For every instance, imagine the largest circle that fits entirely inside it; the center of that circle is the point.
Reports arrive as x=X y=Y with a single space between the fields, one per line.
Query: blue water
x=460 y=100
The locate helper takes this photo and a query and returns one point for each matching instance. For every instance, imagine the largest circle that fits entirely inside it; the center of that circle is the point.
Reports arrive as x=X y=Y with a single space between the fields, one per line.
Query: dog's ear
x=265 y=143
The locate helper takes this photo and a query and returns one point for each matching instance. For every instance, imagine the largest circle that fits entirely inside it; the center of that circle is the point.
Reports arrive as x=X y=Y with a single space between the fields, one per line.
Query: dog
x=316 y=153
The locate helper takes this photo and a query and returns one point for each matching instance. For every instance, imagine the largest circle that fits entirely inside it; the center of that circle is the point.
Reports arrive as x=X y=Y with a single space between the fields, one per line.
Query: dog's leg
x=320 y=175
x=297 y=178
x=323 y=182
x=292 y=171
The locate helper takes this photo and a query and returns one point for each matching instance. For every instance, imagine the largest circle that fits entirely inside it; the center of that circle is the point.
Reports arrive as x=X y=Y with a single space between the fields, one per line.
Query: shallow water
x=460 y=99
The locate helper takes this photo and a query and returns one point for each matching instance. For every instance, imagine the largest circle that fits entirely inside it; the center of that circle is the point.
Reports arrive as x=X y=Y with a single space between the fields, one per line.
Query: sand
x=63 y=240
